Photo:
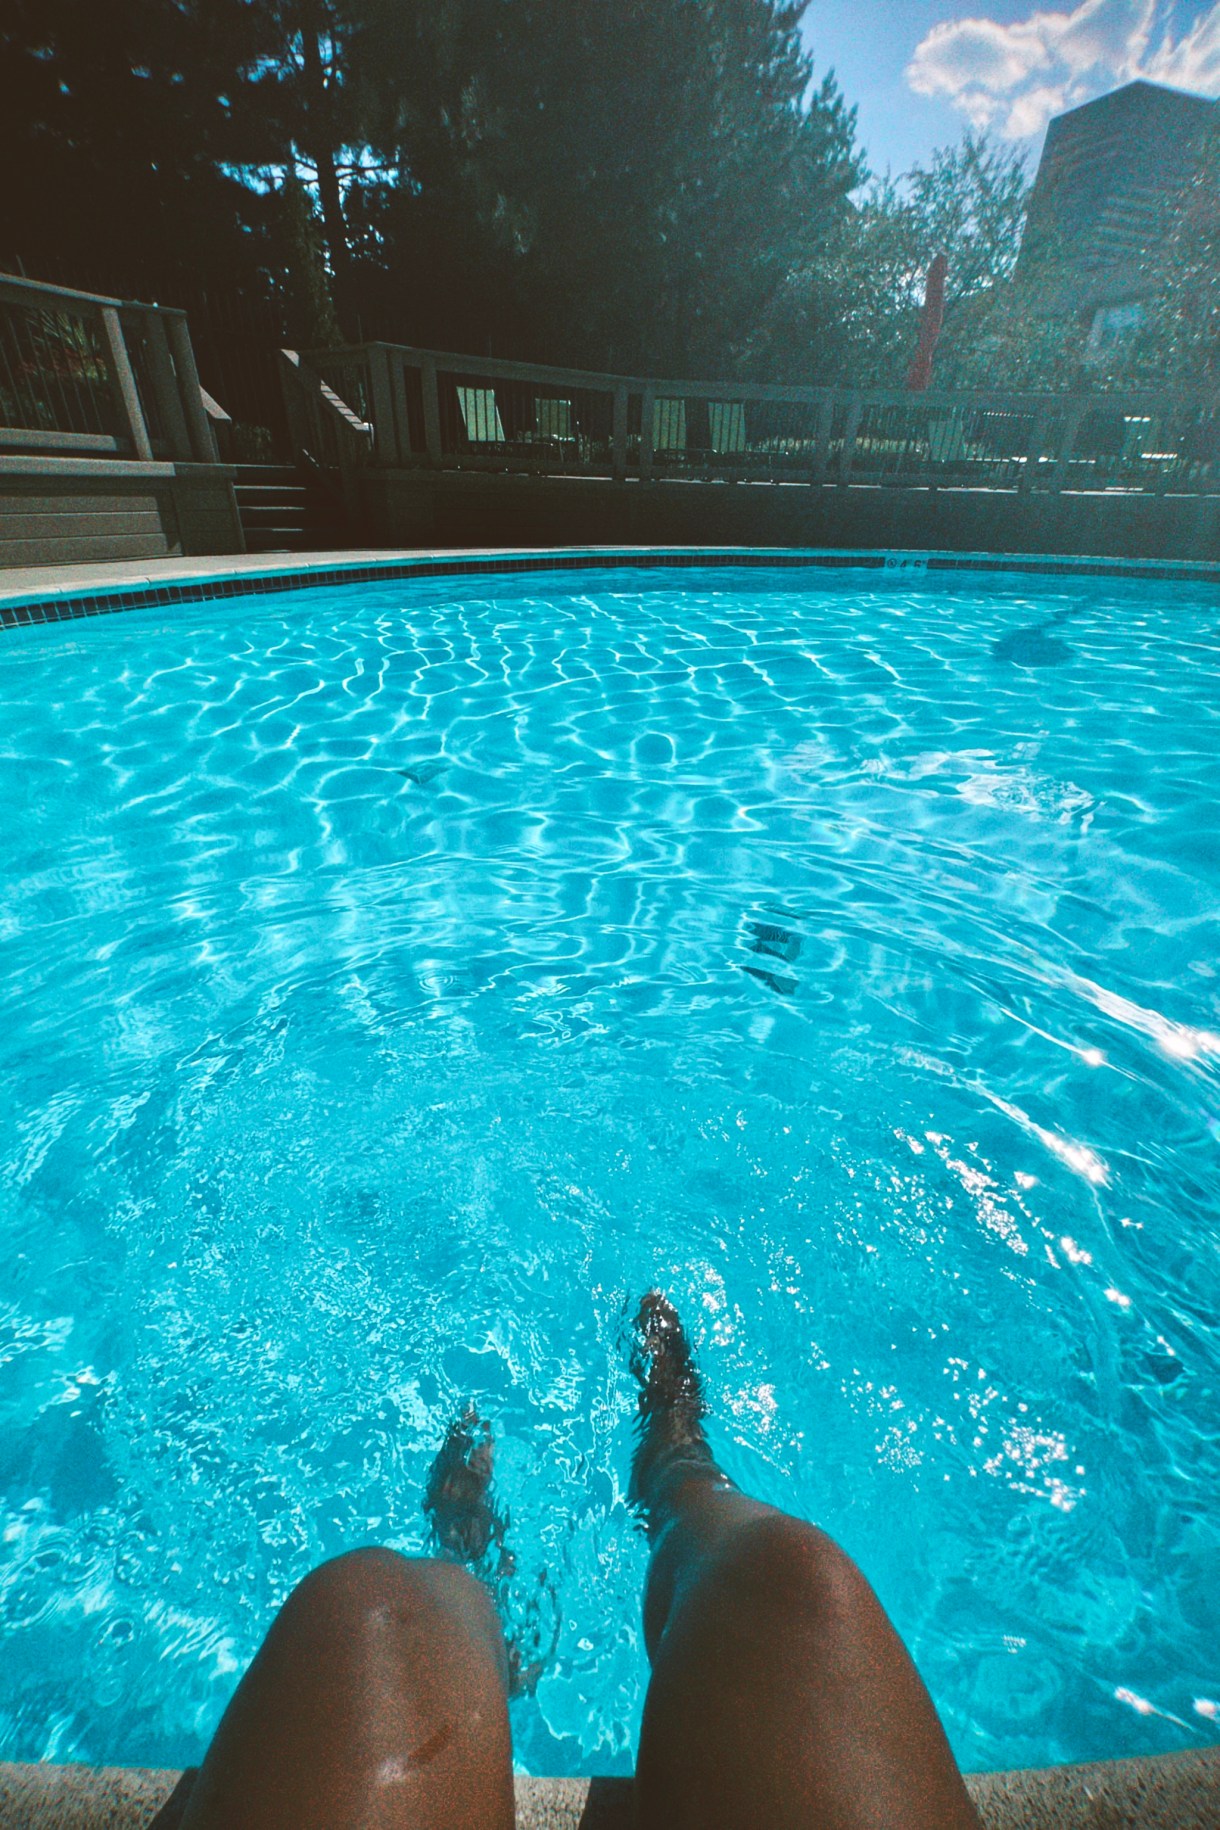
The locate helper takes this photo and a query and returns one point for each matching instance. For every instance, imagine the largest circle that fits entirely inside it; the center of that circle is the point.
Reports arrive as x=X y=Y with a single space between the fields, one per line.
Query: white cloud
x=1015 y=77
x=1194 y=61
x=1029 y=112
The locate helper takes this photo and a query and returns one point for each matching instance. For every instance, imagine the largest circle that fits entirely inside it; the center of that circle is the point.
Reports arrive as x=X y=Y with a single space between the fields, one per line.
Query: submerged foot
x=468 y=1526
x=458 y=1500
x=672 y=1445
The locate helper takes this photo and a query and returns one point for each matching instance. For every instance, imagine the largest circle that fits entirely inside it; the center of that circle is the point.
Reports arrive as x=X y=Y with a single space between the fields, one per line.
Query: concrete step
x=286 y=510
x=277 y=540
x=271 y=514
x=261 y=474
x=296 y=540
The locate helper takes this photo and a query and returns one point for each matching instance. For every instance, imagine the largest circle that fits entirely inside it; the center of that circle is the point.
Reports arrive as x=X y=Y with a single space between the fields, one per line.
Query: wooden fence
x=429 y=408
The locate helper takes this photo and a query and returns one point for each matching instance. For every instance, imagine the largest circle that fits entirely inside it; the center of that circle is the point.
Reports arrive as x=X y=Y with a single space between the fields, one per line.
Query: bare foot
x=458 y=1500
x=672 y=1443
x=467 y=1526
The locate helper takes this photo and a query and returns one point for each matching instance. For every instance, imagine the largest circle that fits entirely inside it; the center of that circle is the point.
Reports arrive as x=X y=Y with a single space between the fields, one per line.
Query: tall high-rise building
x=1111 y=175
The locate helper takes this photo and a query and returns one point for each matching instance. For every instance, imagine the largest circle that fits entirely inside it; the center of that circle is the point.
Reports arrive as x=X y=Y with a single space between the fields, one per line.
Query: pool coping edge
x=154 y=584
x=1152 y=1792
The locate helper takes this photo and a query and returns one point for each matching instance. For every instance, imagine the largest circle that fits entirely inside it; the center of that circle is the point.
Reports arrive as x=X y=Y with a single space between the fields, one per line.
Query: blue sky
x=922 y=70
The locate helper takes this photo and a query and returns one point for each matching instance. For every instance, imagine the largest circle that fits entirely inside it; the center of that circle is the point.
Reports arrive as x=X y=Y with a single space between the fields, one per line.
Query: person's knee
x=777 y=1566
x=364 y=1589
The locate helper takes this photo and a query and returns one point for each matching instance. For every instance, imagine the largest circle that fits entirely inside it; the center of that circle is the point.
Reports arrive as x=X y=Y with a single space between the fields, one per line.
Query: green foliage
x=655 y=186
x=623 y=182
x=968 y=202
x=615 y=182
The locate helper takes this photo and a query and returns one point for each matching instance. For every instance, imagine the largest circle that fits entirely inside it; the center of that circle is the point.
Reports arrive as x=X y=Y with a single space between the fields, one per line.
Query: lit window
x=728 y=424
x=481 y=416
x=552 y=418
x=669 y=425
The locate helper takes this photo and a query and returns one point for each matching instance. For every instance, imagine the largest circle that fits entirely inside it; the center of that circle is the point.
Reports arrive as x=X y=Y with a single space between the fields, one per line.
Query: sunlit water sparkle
x=398 y=979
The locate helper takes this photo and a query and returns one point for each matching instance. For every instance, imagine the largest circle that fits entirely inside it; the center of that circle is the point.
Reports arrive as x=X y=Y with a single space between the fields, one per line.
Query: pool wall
x=462 y=509
x=74 y=511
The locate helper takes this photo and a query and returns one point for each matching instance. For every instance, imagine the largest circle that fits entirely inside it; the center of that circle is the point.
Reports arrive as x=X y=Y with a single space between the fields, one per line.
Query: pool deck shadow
x=1163 y=1792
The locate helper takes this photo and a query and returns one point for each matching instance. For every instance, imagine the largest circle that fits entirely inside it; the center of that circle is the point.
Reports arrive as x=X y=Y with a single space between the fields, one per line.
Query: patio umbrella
x=929 y=325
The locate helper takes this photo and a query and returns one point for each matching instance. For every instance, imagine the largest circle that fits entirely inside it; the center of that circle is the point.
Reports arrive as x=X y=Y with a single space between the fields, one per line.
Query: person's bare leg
x=780 y=1692
x=378 y=1701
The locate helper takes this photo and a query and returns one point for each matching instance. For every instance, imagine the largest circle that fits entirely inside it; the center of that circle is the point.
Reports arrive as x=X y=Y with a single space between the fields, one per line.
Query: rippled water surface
x=396 y=980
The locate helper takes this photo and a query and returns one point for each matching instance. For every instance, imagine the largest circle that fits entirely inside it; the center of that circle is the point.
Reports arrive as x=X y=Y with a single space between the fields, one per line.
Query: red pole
x=929 y=325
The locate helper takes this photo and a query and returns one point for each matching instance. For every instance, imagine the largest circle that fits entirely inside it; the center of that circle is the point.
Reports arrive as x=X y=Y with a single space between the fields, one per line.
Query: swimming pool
x=397 y=978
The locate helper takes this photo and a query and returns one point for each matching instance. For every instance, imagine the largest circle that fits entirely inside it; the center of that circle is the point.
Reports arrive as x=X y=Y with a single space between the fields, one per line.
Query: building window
x=669 y=425
x=728 y=424
x=1113 y=325
x=552 y=418
x=481 y=416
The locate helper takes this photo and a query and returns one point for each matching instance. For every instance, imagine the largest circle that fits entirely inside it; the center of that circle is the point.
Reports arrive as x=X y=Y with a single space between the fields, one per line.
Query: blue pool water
x=396 y=980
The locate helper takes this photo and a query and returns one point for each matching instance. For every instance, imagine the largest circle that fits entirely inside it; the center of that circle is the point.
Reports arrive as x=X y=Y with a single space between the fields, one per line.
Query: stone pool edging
x=1156 y=1792
x=35 y=599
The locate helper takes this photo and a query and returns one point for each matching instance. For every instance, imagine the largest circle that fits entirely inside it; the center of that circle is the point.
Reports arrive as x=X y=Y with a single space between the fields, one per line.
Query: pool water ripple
x=396 y=979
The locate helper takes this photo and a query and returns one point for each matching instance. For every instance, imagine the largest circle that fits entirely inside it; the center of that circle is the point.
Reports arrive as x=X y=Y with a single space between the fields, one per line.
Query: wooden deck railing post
x=855 y=413
x=1067 y=444
x=402 y=419
x=1033 y=456
x=432 y=411
x=825 y=426
x=165 y=384
x=385 y=438
x=123 y=382
x=294 y=406
x=648 y=400
x=203 y=438
x=619 y=440
x=1166 y=440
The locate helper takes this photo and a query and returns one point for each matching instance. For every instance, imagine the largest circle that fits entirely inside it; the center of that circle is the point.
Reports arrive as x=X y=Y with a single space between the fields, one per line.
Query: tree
x=311 y=118
x=968 y=203
x=627 y=182
x=309 y=311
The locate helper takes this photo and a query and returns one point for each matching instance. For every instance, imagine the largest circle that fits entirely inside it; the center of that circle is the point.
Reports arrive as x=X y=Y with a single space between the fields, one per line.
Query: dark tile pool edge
x=1160 y=1792
x=65 y=604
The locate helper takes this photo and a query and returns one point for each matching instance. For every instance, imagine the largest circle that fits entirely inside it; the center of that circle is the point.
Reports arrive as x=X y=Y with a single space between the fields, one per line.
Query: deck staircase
x=313 y=503
x=288 y=508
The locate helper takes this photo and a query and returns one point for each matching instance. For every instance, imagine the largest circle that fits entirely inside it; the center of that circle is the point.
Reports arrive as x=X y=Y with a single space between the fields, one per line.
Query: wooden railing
x=426 y=407
x=85 y=375
x=324 y=431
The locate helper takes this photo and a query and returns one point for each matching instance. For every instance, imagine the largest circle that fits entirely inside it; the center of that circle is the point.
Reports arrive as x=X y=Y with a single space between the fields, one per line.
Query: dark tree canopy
x=122 y=136
x=648 y=186
x=620 y=182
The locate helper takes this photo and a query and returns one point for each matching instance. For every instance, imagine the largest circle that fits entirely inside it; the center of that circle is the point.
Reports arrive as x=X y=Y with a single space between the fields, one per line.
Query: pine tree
x=633 y=180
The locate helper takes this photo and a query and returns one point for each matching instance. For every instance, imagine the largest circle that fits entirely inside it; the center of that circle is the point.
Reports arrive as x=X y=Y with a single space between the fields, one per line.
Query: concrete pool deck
x=1165 y=1792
